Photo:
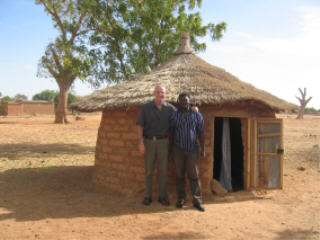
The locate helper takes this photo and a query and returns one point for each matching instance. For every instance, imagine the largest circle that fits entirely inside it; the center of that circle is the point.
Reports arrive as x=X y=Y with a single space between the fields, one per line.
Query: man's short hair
x=181 y=95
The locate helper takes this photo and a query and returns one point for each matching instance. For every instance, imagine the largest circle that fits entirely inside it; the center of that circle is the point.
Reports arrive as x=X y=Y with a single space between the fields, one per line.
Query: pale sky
x=271 y=44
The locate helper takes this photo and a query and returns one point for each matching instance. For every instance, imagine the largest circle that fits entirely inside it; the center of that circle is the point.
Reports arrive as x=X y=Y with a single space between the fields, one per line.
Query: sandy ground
x=46 y=191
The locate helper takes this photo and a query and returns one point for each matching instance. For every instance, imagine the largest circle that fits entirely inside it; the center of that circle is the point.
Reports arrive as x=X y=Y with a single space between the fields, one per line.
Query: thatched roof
x=184 y=72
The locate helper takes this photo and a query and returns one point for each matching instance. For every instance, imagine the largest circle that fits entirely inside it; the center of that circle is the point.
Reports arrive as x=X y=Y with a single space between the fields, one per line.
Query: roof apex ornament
x=184 y=46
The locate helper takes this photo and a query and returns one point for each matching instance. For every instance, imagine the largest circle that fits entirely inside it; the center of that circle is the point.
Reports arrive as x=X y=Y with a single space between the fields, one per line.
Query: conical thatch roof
x=184 y=72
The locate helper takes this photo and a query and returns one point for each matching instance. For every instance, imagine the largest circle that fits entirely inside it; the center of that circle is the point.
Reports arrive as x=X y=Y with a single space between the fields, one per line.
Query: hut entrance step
x=228 y=153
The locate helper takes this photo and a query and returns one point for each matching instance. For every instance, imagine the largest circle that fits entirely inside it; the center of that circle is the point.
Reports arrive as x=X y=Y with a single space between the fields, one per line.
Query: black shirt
x=155 y=121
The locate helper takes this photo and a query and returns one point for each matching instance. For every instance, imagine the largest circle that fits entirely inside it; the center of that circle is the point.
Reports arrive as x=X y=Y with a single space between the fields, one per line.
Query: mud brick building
x=26 y=107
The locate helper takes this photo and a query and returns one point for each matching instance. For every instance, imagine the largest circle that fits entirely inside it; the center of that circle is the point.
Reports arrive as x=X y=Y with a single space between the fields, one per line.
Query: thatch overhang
x=184 y=72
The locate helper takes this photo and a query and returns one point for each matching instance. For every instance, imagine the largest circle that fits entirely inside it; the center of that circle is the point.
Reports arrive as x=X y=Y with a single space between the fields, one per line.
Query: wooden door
x=268 y=153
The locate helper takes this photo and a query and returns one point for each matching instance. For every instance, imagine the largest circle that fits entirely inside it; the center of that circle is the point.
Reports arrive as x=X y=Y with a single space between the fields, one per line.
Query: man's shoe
x=180 y=203
x=146 y=201
x=164 y=201
x=199 y=207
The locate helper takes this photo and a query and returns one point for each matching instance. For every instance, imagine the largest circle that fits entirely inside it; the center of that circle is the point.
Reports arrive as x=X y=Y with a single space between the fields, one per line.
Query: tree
x=46 y=95
x=6 y=99
x=303 y=102
x=134 y=36
x=127 y=38
x=65 y=59
x=51 y=95
x=20 y=97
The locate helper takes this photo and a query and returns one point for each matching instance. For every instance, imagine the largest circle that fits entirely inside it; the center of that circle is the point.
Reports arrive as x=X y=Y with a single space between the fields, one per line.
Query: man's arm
x=200 y=129
x=202 y=144
x=140 y=123
x=142 y=148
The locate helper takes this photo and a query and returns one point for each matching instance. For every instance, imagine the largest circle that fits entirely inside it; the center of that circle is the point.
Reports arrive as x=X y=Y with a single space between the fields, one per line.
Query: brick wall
x=38 y=108
x=14 y=109
x=21 y=108
x=118 y=163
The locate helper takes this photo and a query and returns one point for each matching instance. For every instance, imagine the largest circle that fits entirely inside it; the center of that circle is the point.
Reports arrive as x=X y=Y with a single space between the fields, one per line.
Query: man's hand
x=142 y=149
x=195 y=109
x=202 y=153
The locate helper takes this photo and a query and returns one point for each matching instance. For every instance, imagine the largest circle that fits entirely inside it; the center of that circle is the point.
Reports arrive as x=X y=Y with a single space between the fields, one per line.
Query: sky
x=272 y=44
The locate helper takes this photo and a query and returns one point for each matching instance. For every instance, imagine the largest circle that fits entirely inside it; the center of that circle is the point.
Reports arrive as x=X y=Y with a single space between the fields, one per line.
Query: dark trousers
x=187 y=161
x=156 y=153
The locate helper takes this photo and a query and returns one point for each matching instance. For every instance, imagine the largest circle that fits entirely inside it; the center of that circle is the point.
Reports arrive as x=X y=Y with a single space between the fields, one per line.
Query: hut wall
x=119 y=165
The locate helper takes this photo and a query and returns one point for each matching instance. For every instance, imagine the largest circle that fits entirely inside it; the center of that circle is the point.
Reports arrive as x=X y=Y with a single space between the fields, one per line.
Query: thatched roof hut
x=185 y=71
x=220 y=95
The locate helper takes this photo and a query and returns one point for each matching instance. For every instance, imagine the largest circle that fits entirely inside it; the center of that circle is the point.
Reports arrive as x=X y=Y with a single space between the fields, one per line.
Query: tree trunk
x=303 y=102
x=61 y=111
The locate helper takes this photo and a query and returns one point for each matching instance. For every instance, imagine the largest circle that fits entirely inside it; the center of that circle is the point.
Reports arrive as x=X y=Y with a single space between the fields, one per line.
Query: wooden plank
x=270 y=121
x=247 y=183
x=281 y=155
x=269 y=135
x=268 y=154
x=255 y=155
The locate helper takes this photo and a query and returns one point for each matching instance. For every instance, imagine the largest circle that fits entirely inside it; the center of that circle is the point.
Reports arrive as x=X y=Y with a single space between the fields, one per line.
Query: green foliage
x=51 y=95
x=6 y=99
x=112 y=41
x=134 y=36
x=45 y=95
x=20 y=97
x=65 y=58
x=311 y=110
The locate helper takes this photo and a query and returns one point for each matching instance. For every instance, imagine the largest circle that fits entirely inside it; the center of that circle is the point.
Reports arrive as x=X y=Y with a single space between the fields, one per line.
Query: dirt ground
x=46 y=191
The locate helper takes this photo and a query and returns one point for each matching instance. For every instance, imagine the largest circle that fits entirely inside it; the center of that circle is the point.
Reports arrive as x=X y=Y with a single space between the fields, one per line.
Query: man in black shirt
x=153 y=130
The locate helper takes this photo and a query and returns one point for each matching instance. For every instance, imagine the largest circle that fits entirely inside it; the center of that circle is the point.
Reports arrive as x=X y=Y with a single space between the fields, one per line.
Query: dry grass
x=46 y=191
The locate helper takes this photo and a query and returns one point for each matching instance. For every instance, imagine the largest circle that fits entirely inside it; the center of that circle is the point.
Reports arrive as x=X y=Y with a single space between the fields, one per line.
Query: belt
x=155 y=138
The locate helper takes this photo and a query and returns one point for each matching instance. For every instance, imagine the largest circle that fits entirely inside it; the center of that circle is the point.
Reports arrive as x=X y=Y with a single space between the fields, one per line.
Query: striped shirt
x=185 y=129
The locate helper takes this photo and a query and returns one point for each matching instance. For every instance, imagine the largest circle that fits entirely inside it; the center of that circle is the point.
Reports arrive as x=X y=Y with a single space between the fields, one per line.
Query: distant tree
x=46 y=95
x=51 y=95
x=20 y=97
x=6 y=99
x=311 y=110
x=303 y=102
x=65 y=59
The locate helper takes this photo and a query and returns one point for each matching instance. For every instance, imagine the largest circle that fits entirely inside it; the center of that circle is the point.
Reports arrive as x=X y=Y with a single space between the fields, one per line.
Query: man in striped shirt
x=186 y=127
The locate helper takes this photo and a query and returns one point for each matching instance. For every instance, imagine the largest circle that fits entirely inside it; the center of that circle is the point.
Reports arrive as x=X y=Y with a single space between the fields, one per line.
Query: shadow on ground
x=65 y=192
x=178 y=235
x=62 y=192
x=23 y=150
x=297 y=234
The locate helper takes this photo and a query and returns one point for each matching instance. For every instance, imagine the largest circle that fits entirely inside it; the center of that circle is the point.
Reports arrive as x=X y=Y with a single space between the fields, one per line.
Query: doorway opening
x=228 y=153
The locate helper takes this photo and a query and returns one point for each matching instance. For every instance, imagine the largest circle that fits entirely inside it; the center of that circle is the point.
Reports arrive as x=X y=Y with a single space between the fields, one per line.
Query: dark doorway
x=236 y=149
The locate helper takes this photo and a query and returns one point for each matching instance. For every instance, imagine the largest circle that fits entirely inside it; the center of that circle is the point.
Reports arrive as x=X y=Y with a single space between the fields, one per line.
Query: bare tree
x=303 y=102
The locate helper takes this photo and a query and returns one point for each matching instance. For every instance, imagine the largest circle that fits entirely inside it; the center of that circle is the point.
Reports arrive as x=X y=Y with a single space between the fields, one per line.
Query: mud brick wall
x=38 y=108
x=13 y=108
x=118 y=164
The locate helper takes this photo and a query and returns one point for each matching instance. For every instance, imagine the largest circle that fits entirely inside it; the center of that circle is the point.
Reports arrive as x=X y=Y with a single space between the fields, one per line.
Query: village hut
x=240 y=120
